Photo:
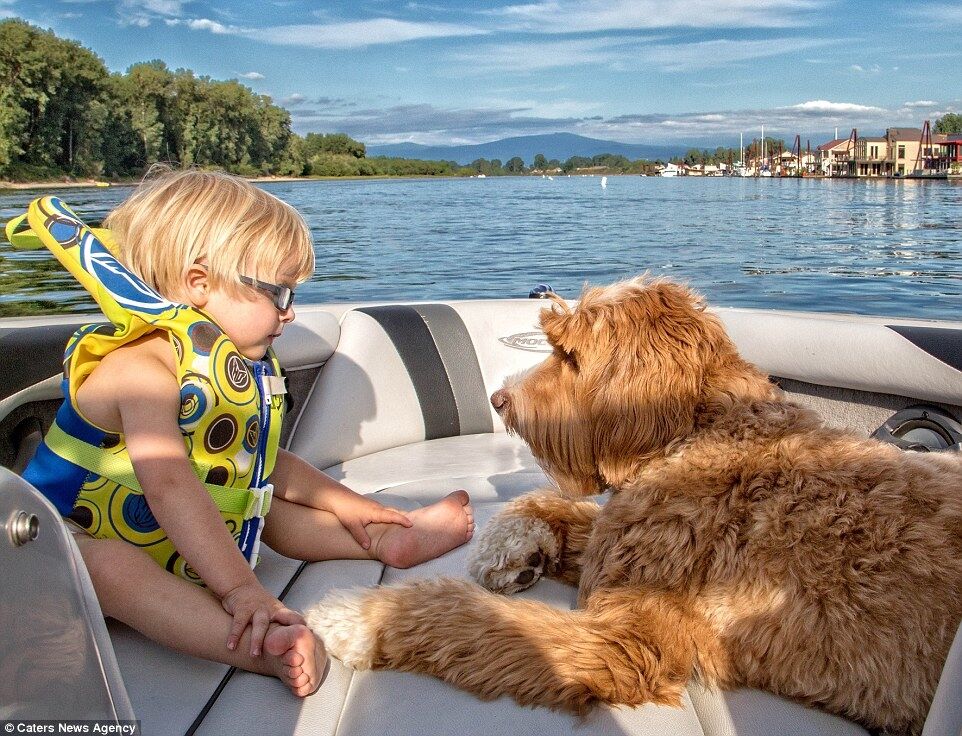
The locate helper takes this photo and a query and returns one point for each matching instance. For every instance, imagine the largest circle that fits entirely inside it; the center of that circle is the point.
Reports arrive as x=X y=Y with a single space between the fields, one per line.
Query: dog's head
x=632 y=368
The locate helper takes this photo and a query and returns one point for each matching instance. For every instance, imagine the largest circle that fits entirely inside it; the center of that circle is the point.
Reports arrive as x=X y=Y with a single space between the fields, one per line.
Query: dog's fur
x=744 y=542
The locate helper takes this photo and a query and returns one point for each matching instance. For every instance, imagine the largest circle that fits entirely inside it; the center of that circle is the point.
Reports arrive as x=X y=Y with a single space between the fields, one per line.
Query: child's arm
x=300 y=482
x=147 y=407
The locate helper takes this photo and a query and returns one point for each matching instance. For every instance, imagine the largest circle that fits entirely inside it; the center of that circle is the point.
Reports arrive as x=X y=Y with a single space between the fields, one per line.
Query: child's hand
x=355 y=512
x=251 y=605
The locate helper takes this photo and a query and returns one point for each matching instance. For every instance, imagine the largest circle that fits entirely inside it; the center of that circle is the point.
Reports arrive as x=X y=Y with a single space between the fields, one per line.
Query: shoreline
x=93 y=183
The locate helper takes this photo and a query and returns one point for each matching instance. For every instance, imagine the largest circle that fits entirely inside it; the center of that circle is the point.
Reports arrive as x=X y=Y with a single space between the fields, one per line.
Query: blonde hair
x=177 y=218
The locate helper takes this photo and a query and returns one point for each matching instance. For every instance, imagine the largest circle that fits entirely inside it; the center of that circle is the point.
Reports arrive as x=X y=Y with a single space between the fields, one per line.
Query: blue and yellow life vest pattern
x=230 y=414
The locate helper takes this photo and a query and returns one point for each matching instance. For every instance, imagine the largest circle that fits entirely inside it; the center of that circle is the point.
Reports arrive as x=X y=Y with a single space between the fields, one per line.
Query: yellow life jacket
x=230 y=414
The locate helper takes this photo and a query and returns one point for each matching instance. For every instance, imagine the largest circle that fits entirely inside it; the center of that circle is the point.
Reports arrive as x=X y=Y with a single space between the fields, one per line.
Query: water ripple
x=867 y=247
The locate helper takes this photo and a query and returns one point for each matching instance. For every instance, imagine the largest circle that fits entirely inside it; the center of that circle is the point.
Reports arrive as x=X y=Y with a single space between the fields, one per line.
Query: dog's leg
x=538 y=533
x=626 y=647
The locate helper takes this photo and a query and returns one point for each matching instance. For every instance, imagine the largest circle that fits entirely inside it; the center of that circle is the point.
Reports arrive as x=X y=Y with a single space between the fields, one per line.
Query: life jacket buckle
x=259 y=501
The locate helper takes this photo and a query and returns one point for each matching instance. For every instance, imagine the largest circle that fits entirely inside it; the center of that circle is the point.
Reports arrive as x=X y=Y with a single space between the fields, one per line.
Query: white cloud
x=537 y=56
x=572 y=16
x=357 y=34
x=814 y=118
x=554 y=108
x=941 y=14
x=921 y=103
x=722 y=52
x=623 y=54
x=824 y=107
x=205 y=24
x=143 y=12
x=251 y=75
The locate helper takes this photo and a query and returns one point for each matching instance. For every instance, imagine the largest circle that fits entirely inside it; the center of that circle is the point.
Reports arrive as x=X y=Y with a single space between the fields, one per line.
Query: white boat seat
x=401 y=408
x=402 y=704
x=405 y=374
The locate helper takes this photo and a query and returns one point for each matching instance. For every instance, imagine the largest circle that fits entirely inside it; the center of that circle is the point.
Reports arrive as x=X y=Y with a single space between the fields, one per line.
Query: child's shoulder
x=142 y=370
x=151 y=352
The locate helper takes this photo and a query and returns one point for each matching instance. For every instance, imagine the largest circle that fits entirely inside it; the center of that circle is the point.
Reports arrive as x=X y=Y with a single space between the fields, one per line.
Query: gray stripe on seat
x=419 y=353
x=942 y=343
x=461 y=363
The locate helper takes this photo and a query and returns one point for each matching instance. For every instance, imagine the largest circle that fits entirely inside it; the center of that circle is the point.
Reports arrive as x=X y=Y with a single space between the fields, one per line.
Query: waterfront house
x=950 y=152
x=905 y=145
x=871 y=156
x=832 y=158
x=900 y=152
x=671 y=169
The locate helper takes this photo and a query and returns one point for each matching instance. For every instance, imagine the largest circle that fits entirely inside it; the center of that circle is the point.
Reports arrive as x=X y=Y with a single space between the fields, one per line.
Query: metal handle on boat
x=23 y=528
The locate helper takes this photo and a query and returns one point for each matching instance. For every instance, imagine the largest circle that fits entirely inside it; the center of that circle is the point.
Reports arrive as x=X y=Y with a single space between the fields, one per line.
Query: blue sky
x=638 y=71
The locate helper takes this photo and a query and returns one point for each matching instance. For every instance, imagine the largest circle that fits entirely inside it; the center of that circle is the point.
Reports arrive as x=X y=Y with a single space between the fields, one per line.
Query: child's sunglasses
x=282 y=296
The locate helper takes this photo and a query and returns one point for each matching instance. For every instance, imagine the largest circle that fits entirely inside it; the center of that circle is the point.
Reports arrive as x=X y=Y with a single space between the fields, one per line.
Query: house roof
x=832 y=144
x=904 y=134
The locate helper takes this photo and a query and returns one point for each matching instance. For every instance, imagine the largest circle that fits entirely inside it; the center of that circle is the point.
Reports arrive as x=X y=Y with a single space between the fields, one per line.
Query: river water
x=890 y=248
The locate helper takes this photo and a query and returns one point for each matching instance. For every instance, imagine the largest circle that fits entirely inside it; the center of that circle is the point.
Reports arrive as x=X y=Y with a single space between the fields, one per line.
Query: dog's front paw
x=512 y=553
x=339 y=619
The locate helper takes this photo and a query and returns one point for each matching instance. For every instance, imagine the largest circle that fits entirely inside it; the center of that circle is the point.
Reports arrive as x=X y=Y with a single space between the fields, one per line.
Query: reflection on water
x=869 y=247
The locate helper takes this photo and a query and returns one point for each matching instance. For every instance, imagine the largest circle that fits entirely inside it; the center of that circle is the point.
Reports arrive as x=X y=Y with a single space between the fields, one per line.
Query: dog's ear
x=650 y=394
x=562 y=326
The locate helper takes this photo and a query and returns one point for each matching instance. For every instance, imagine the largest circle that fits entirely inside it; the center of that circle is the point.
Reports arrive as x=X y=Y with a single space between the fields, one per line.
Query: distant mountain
x=555 y=145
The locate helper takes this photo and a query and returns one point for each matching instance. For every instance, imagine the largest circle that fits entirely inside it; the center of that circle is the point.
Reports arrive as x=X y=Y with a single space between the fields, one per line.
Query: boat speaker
x=921 y=428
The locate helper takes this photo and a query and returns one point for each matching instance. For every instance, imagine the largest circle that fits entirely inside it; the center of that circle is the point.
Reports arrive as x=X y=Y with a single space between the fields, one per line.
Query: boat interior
x=392 y=400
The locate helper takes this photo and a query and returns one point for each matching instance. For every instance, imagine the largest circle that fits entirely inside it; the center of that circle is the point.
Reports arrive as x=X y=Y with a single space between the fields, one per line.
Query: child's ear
x=197 y=285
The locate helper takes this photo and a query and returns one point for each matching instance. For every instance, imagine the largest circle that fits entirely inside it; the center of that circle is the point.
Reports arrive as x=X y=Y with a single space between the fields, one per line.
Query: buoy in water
x=604 y=182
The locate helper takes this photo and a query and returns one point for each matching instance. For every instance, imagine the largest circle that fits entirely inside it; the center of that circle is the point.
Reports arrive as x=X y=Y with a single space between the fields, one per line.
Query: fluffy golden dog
x=744 y=542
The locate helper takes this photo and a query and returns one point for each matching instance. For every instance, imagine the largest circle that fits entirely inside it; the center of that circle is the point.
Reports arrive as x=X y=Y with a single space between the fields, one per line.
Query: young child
x=164 y=447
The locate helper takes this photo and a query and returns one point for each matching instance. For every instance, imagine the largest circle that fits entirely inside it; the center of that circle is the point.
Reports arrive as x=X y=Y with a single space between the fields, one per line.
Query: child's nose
x=288 y=314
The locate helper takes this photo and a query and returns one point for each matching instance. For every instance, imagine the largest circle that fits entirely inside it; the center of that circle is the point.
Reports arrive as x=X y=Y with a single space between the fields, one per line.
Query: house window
x=901 y=168
x=901 y=151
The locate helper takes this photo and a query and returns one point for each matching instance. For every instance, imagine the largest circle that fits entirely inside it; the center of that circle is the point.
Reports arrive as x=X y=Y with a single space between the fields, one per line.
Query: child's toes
x=293 y=658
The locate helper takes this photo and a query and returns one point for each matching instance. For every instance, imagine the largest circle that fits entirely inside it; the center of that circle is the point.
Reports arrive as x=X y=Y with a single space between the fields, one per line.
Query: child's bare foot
x=297 y=658
x=436 y=529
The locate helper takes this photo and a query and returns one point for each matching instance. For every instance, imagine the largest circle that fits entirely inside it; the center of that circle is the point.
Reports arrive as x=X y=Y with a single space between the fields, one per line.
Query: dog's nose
x=498 y=399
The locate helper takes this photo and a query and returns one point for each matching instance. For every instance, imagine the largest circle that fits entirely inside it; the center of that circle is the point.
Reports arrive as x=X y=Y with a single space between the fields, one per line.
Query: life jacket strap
x=116 y=467
x=27 y=239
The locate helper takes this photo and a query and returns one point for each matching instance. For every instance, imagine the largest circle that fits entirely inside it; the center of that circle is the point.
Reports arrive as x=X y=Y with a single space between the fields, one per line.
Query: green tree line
x=63 y=113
